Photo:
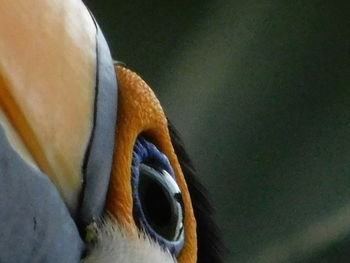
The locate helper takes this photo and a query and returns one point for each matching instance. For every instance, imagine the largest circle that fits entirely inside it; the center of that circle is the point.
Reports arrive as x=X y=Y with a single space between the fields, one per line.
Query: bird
x=91 y=169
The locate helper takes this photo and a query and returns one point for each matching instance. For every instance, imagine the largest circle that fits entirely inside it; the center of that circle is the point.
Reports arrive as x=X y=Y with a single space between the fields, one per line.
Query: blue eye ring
x=158 y=208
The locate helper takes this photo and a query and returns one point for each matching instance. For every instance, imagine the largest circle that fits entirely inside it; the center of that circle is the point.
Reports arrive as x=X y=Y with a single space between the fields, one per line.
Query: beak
x=47 y=85
x=56 y=137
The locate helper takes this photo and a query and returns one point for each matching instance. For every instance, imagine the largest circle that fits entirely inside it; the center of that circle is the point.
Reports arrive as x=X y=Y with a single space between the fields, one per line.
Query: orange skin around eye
x=139 y=111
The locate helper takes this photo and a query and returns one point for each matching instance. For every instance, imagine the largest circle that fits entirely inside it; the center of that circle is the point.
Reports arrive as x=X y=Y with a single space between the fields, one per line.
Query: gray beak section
x=35 y=225
x=99 y=157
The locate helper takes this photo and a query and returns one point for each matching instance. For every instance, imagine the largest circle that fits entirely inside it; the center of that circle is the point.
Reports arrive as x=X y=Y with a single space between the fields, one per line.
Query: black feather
x=210 y=245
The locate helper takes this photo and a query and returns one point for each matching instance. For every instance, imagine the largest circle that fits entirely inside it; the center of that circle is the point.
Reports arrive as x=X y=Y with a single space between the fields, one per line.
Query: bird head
x=91 y=170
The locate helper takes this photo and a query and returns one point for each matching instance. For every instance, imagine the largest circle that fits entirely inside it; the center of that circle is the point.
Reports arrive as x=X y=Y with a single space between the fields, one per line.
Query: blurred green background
x=260 y=91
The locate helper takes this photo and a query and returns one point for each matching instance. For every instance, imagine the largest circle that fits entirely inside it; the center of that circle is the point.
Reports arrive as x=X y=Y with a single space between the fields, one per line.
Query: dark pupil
x=157 y=206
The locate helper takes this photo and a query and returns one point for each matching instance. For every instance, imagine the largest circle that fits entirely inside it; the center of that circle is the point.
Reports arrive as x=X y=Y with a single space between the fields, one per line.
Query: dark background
x=260 y=91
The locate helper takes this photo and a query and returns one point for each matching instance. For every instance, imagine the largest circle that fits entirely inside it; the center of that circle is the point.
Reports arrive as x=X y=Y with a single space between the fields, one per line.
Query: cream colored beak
x=47 y=86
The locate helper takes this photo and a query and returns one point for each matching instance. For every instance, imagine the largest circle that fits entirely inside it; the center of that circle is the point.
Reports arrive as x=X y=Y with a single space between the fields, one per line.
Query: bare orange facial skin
x=139 y=111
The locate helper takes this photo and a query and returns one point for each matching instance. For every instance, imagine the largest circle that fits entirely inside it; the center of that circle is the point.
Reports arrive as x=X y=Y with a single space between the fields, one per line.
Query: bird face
x=147 y=195
x=90 y=168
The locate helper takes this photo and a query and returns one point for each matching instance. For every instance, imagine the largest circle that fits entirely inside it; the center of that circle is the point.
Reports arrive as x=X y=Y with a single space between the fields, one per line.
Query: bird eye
x=158 y=207
x=160 y=200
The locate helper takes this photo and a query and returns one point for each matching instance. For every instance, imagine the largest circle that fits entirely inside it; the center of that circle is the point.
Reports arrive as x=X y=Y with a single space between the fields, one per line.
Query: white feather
x=115 y=245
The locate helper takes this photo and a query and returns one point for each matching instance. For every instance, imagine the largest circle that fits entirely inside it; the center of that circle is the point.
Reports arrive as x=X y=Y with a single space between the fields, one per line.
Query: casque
x=90 y=168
